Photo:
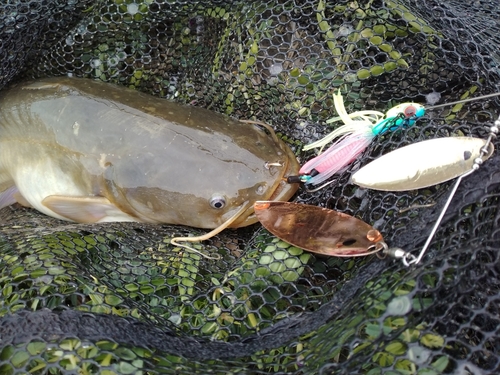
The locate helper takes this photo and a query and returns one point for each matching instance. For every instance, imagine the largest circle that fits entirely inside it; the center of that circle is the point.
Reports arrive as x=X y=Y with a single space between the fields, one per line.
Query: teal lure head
x=402 y=115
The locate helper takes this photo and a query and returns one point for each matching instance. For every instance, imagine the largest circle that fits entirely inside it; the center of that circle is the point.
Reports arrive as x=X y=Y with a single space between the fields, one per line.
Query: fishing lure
x=408 y=258
x=358 y=131
x=423 y=164
x=319 y=230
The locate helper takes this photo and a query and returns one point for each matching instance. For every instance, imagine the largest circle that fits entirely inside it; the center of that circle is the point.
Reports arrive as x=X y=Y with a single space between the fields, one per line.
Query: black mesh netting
x=118 y=299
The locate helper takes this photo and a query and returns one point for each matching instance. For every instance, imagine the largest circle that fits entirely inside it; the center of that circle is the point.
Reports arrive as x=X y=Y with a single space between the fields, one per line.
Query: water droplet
x=132 y=8
x=399 y=305
x=113 y=61
x=10 y=21
x=95 y=63
x=432 y=97
x=343 y=31
x=261 y=189
x=418 y=355
x=81 y=29
x=121 y=55
x=275 y=69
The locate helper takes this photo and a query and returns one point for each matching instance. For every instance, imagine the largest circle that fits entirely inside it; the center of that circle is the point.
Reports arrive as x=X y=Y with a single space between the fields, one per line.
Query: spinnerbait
x=409 y=258
x=327 y=232
x=358 y=131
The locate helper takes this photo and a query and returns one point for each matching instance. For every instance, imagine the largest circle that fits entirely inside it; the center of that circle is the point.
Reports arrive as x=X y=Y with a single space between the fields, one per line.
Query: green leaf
x=441 y=363
x=363 y=74
x=113 y=300
x=396 y=348
x=377 y=70
x=432 y=341
x=19 y=359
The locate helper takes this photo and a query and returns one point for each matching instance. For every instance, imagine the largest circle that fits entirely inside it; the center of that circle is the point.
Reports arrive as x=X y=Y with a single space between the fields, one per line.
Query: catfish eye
x=217 y=202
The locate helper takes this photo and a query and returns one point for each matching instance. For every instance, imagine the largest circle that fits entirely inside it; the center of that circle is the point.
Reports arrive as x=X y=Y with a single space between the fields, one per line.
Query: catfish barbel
x=89 y=152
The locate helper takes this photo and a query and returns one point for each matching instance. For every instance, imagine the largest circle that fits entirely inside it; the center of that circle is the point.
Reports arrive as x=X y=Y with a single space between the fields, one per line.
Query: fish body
x=88 y=151
x=421 y=164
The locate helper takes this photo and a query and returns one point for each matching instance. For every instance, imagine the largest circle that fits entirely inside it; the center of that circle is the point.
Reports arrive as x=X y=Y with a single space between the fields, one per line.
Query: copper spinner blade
x=318 y=229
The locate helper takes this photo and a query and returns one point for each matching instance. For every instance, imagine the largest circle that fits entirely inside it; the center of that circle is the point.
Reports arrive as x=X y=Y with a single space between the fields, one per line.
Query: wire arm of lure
x=465 y=100
x=409 y=259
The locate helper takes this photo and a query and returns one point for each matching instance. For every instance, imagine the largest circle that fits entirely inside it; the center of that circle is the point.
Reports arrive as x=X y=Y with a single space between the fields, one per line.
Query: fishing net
x=119 y=299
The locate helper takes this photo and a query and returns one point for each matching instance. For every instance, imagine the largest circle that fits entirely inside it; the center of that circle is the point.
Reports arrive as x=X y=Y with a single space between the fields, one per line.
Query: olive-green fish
x=88 y=151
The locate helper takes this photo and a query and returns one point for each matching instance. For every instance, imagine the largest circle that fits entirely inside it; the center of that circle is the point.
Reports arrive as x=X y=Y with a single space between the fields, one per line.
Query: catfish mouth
x=282 y=190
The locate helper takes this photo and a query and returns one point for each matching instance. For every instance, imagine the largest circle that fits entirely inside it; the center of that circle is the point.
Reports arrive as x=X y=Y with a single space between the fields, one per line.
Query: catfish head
x=87 y=151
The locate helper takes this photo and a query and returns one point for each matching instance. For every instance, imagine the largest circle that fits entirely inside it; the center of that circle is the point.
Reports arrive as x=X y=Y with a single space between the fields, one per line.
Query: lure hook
x=306 y=188
x=304 y=178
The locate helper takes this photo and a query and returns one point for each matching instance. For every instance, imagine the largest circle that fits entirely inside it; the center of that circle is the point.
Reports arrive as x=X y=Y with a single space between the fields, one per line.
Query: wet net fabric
x=119 y=299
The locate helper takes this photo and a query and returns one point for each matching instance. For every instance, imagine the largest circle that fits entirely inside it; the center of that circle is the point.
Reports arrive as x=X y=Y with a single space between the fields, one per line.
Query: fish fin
x=7 y=196
x=85 y=209
x=21 y=200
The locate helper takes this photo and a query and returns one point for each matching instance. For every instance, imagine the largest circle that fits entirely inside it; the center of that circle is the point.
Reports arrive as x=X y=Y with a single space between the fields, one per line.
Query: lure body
x=88 y=151
x=421 y=164
x=336 y=157
x=318 y=229
x=358 y=131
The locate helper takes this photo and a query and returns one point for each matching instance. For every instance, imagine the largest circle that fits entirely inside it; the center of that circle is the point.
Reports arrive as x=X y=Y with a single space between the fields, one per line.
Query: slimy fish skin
x=421 y=164
x=87 y=151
